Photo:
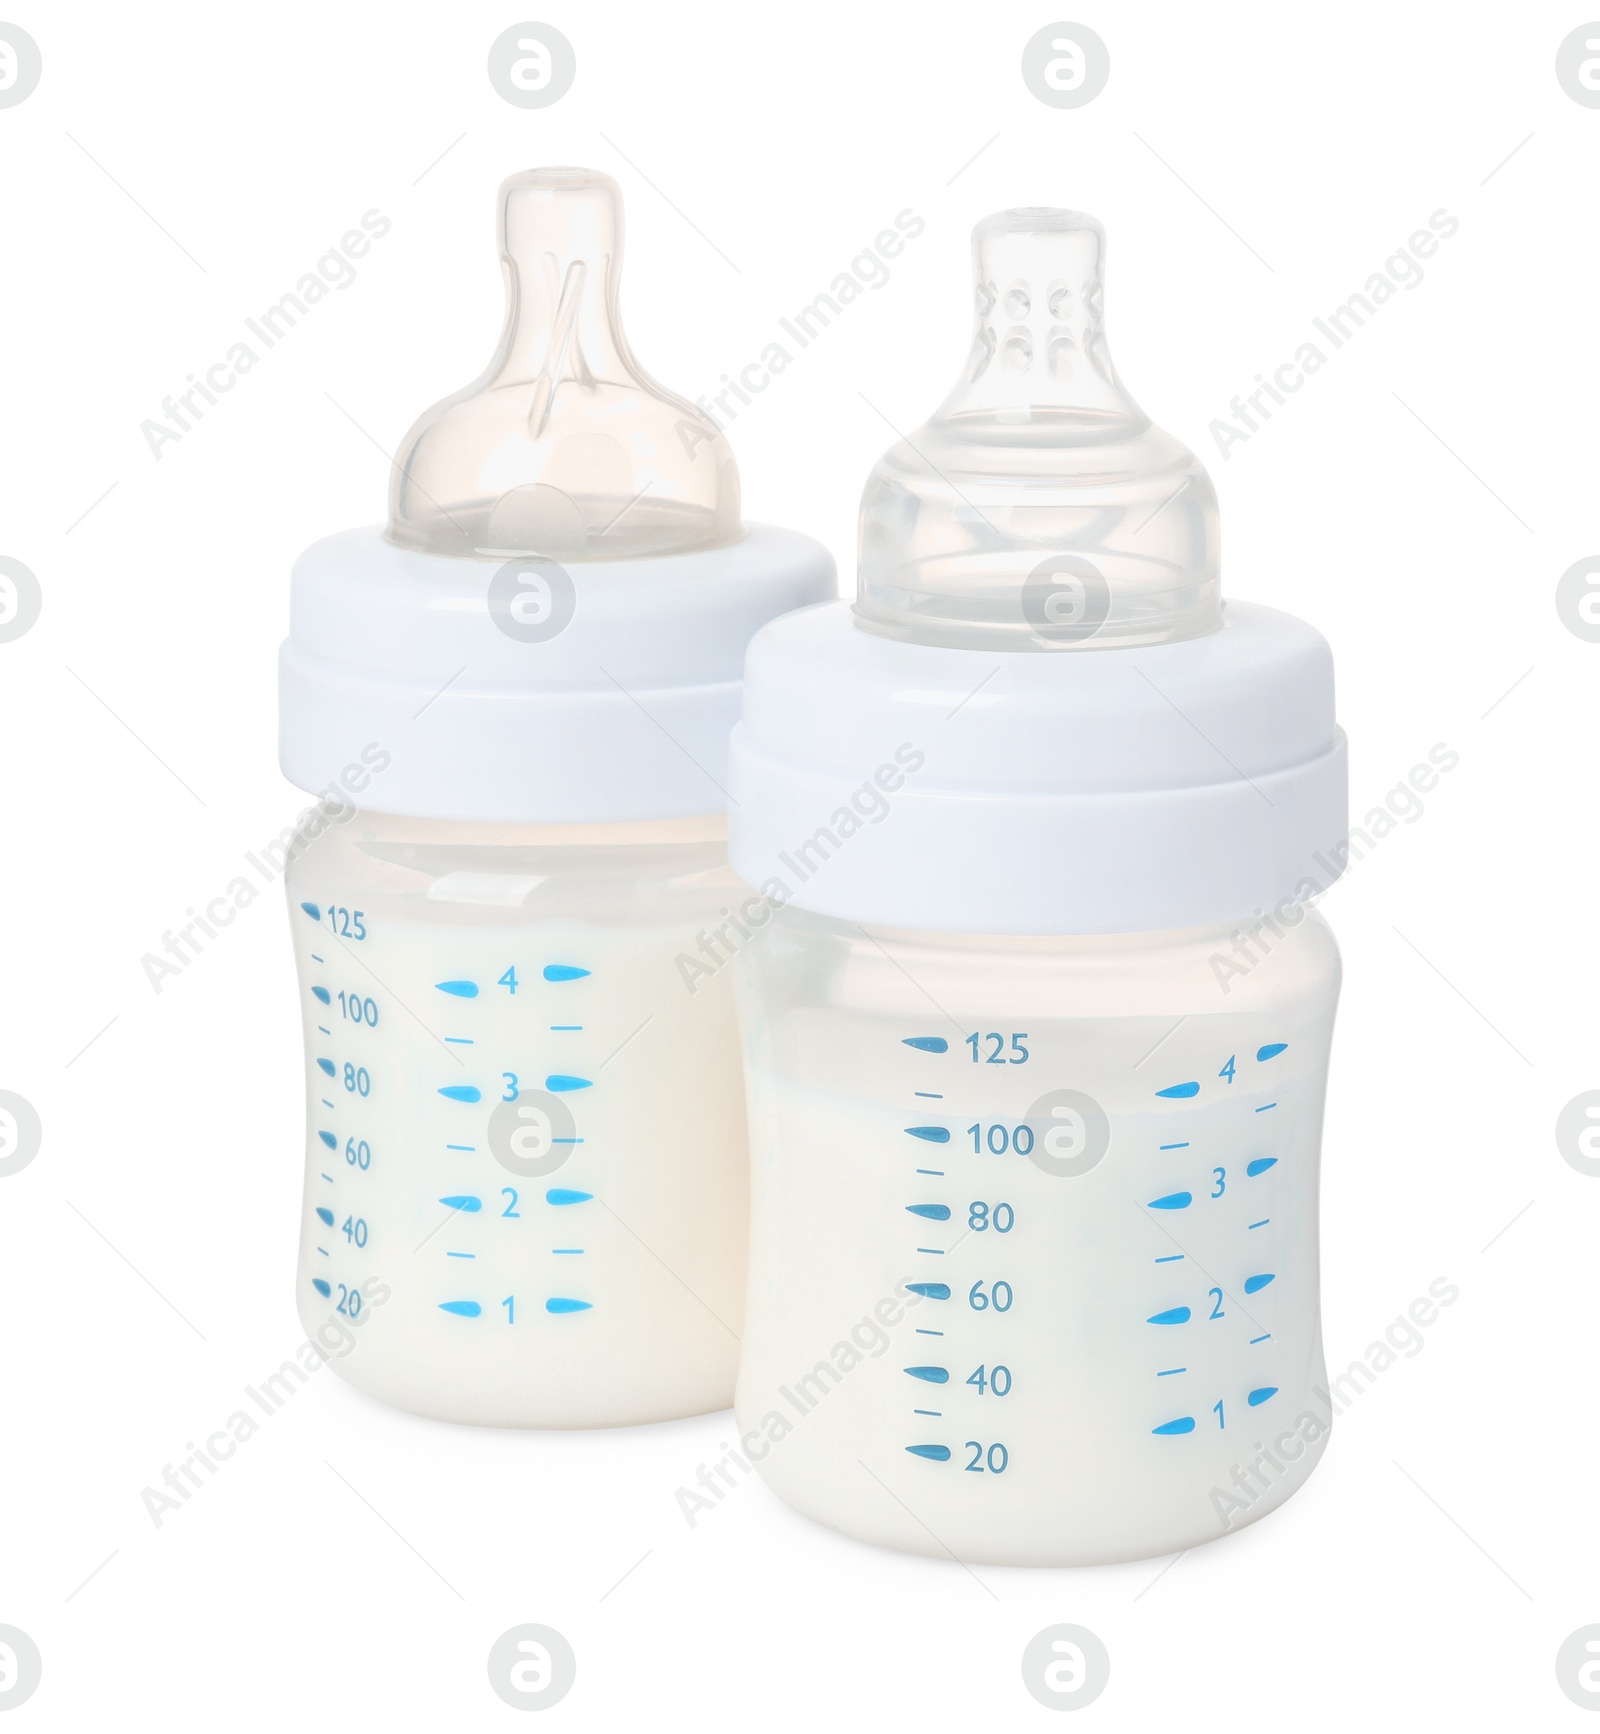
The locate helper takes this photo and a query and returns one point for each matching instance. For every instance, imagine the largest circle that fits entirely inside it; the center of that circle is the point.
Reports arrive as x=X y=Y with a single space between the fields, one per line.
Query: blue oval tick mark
x=462 y=1309
x=1260 y=1165
x=928 y=1045
x=327 y=1066
x=933 y=1375
x=561 y=1304
x=934 y=1453
x=1184 y=1424
x=1180 y=1090
x=462 y=1201
x=565 y=1195
x=564 y=972
x=933 y=1212
x=329 y=1139
x=930 y=1134
x=558 y=1081
x=460 y=989
x=321 y=1287
x=1172 y=1316
x=1271 y=1050
x=462 y=1092
x=322 y=994
x=1173 y=1201
x=312 y=910
x=930 y=1290
x=326 y=1215
x=1253 y=1284
x=1256 y=1398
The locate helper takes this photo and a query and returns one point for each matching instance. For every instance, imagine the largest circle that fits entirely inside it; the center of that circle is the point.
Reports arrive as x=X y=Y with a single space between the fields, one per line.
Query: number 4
x=1228 y=1070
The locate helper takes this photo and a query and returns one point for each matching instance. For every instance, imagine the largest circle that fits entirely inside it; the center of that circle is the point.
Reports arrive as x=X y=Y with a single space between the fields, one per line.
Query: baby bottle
x=1036 y=1010
x=525 y=1196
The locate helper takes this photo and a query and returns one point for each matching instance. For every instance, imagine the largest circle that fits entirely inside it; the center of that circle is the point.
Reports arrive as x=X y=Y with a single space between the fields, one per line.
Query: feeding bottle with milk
x=525 y=1175
x=1037 y=1011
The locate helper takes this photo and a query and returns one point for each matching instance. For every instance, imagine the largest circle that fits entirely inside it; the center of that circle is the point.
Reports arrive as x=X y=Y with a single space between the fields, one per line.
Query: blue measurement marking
x=1180 y=1090
x=1271 y=1050
x=1182 y=1146
x=921 y=1332
x=1261 y=1224
x=1265 y=1106
x=930 y=1095
x=328 y=1178
x=1254 y=1283
x=327 y=1104
x=326 y=1215
x=1261 y=1165
x=932 y=1414
x=1173 y=1201
x=462 y=1201
x=315 y=958
x=324 y=1251
x=1172 y=1316
x=323 y=1030
x=1171 y=1258
x=935 y=1249
x=462 y=1041
x=469 y=1148
x=1265 y=1339
x=461 y=989
x=566 y=1140
x=462 y=1092
x=560 y=1303
x=930 y=1290
x=558 y=1081
x=1256 y=1398
x=1167 y=1372
x=312 y=910
x=564 y=972
x=934 y=1453
x=565 y=1195
x=928 y=1044
x=1184 y=1424
x=568 y=1251
x=323 y=994
x=938 y=1173
x=462 y=1309
x=461 y=1255
x=560 y=1027
x=327 y=1066
x=329 y=1139
x=930 y=1134
x=321 y=1287
x=933 y=1375
x=933 y=1212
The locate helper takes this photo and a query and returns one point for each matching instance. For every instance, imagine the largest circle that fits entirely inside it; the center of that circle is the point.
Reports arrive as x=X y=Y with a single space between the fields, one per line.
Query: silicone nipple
x=564 y=447
x=1039 y=508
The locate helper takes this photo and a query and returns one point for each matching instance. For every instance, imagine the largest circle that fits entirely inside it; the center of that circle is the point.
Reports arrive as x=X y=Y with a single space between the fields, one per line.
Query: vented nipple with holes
x=1039 y=508
x=564 y=447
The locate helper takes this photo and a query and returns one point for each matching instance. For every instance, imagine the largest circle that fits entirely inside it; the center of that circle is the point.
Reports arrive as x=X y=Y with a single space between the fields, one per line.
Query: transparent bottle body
x=525 y=1151
x=1034 y=1232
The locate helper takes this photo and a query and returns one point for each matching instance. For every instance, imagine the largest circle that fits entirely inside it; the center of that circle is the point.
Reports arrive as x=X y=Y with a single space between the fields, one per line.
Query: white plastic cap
x=961 y=791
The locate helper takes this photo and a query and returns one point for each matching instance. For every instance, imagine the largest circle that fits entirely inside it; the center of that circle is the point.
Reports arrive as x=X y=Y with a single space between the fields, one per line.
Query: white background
x=177 y=170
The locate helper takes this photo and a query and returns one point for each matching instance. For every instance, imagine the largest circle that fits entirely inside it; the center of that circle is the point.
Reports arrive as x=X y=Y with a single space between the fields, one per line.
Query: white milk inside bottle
x=525 y=1192
x=1037 y=1012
